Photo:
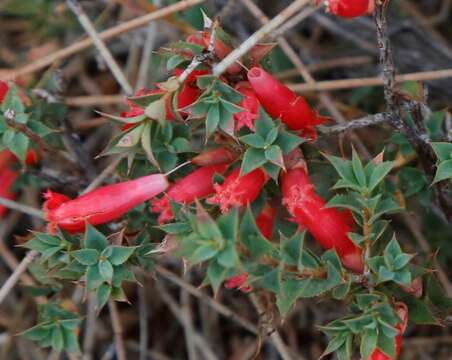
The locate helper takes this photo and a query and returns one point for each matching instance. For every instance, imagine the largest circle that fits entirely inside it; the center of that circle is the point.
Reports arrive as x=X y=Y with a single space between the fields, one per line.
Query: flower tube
x=281 y=102
x=196 y=185
x=328 y=226
x=102 y=205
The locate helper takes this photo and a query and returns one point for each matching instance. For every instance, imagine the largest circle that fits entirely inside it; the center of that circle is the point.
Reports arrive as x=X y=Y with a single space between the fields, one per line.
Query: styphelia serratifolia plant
x=223 y=171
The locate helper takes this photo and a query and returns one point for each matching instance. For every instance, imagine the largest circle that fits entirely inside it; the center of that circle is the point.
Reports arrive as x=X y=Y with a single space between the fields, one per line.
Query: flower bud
x=251 y=105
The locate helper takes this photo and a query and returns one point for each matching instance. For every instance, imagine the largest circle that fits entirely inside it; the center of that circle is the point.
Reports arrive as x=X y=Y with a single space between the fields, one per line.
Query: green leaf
x=38 y=332
x=157 y=110
x=131 y=138
x=379 y=174
x=71 y=344
x=274 y=154
x=102 y=295
x=213 y=119
x=252 y=238
x=369 y=341
x=19 y=144
x=264 y=124
x=443 y=150
x=358 y=169
x=344 y=168
x=174 y=61
x=57 y=338
x=334 y=344
x=253 y=159
x=86 y=256
x=120 y=254
x=253 y=140
x=206 y=227
x=345 y=201
x=93 y=277
x=203 y=253
x=105 y=270
x=175 y=228
x=216 y=275
x=94 y=239
x=287 y=141
x=444 y=171
x=146 y=143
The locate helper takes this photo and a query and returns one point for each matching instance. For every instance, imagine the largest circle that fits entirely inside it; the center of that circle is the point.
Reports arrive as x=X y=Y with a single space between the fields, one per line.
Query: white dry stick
x=14 y=277
x=248 y=44
x=100 y=45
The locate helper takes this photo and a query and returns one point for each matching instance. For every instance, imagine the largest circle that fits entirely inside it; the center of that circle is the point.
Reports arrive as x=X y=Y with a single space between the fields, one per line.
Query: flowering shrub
x=220 y=160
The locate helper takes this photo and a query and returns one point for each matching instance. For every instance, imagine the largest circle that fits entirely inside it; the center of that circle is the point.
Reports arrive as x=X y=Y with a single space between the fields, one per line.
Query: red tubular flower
x=238 y=191
x=239 y=282
x=214 y=157
x=101 y=205
x=196 y=185
x=402 y=312
x=7 y=178
x=281 y=102
x=266 y=220
x=329 y=226
x=350 y=8
x=251 y=105
x=3 y=90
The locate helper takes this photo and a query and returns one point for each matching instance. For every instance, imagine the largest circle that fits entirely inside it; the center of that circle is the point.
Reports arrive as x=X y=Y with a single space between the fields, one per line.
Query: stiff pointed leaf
x=147 y=145
x=123 y=120
x=358 y=169
x=105 y=270
x=56 y=336
x=131 y=138
x=93 y=277
x=443 y=150
x=379 y=173
x=287 y=141
x=216 y=274
x=94 y=239
x=369 y=341
x=253 y=159
x=274 y=154
x=254 y=140
x=120 y=254
x=444 y=171
x=86 y=256
x=102 y=295
x=213 y=119
x=157 y=110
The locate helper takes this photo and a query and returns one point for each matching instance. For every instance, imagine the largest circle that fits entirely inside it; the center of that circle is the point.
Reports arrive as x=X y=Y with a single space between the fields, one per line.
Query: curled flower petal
x=251 y=105
x=238 y=191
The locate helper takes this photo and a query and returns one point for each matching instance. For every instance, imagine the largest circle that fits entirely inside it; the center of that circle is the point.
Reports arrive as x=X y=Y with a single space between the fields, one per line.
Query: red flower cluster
x=329 y=226
x=102 y=205
x=402 y=312
x=196 y=185
x=281 y=102
x=349 y=8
